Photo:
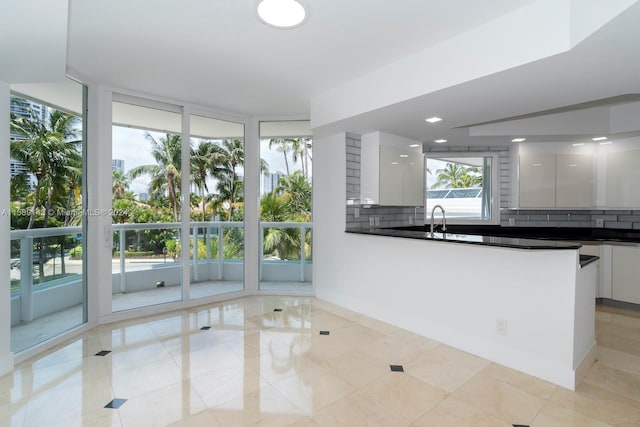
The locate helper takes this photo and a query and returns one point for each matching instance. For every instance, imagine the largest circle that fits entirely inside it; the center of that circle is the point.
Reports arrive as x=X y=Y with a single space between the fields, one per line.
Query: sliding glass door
x=286 y=226
x=146 y=193
x=48 y=289
x=216 y=242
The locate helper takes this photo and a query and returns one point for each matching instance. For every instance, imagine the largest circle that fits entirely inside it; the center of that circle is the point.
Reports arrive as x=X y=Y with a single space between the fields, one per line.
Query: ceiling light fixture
x=433 y=119
x=282 y=14
x=599 y=138
x=440 y=141
x=414 y=145
x=404 y=155
x=578 y=144
x=606 y=143
x=518 y=139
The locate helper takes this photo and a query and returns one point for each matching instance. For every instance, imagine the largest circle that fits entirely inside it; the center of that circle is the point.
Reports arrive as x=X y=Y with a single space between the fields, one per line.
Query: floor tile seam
x=492 y=414
x=377 y=402
x=617 y=370
x=457 y=396
x=512 y=385
x=402 y=415
x=576 y=408
x=610 y=390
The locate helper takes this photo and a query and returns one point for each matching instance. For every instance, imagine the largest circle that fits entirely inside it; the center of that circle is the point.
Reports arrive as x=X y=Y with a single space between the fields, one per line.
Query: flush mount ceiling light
x=599 y=138
x=414 y=145
x=440 y=141
x=518 y=139
x=282 y=13
x=578 y=144
x=433 y=119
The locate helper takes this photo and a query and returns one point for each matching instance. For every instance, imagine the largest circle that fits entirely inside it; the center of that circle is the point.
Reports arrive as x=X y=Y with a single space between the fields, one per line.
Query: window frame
x=495 y=186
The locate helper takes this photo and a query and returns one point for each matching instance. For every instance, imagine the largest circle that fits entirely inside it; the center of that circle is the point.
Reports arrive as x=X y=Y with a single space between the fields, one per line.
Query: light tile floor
x=28 y=334
x=256 y=366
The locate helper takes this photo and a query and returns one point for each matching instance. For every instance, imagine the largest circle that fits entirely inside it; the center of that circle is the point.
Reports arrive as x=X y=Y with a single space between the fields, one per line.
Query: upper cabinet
x=556 y=181
x=392 y=170
x=622 y=186
x=574 y=181
x=537 y=180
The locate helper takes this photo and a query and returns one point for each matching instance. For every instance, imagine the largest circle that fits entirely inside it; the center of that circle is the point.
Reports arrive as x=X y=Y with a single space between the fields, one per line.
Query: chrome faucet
x=444 y=219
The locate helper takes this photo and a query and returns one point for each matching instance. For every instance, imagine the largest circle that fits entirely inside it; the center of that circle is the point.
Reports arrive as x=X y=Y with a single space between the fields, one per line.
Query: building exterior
x=270 y=182
x=117 y=165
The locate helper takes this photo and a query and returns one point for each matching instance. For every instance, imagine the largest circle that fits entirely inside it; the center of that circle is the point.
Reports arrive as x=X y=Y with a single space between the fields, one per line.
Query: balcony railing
x=217 y=263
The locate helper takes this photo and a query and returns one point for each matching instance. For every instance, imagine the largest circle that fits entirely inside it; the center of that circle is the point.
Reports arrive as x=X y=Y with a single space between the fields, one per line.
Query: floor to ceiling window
x=48 y=291
x=146 y=192
x=216 y=243
x=285 y=206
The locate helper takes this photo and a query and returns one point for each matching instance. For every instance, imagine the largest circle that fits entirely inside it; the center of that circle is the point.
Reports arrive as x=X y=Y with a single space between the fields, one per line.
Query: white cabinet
x=556 y=181
x=574 y=181
x=625 y=274
x=622 y=178
x=392 y=172
x=537 y=180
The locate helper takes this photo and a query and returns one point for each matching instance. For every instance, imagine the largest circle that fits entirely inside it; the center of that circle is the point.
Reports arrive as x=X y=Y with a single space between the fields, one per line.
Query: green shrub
x=76 y=252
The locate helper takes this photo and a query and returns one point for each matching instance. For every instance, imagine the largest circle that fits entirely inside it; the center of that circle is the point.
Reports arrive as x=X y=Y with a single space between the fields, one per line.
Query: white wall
x=450 y=292
x=6 y=357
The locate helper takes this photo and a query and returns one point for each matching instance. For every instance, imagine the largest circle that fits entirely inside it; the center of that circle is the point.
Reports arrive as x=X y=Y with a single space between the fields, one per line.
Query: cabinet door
x=391 y=175
x=537 y=180
x=413 y=180
x=574 y=180
x=622 y=177
x=625 y=274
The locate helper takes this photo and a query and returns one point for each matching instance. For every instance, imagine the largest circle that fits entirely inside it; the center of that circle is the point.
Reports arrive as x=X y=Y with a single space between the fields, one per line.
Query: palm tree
x=283 y=241
x=120 y=183
x=300 y=149
x=283 y=146
x=296 y=192
x=206 y=161
x=165 y=174
x=45 y=147
x=455 y=175
x=229 y=187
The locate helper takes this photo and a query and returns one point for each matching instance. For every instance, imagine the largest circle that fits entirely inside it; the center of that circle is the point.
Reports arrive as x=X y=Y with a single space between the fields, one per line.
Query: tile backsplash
x=620 y=219
x=363 y=216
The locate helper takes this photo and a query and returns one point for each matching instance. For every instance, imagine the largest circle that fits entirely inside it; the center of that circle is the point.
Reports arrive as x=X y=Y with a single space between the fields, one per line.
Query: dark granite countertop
x=475 y=239
x=546 y=233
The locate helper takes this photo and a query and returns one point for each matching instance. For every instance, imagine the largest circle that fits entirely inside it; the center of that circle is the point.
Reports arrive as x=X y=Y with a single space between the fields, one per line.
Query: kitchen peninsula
x=525 y=303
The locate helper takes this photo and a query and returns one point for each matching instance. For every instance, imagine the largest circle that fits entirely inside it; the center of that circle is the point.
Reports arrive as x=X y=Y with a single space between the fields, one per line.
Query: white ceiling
x=216 y=53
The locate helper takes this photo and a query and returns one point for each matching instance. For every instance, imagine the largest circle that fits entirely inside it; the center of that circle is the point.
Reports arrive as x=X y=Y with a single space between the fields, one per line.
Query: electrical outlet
x=501 y=327
x=599 y=222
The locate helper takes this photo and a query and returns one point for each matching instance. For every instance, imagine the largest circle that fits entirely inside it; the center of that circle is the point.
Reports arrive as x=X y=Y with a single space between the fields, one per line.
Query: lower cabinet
x=625 y=274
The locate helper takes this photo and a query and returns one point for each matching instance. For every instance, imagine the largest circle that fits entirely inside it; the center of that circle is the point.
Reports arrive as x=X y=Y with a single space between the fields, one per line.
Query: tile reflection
x=258 y=366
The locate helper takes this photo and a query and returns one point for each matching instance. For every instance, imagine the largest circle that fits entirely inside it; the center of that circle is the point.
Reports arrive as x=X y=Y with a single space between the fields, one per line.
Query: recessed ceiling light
x=404 y=155
x=395 y=163
x=599 y=138
x=282 y=13
x=606 y=143
x=440 y=141
x=433 y=119
x=578 y=144
x=518 y=139
x=414 y=145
